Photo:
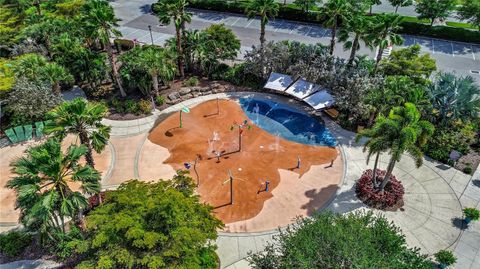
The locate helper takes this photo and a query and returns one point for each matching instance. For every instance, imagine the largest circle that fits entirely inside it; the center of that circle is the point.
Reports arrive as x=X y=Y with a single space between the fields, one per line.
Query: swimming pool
x=287 y=122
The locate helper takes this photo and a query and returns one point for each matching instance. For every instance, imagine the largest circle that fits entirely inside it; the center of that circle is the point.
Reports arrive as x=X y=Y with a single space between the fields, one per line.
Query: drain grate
x=476 y=72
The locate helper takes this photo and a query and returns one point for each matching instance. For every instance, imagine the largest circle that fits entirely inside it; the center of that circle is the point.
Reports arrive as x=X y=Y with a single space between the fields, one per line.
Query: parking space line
x=246 y=26
x=235 y=21
x=276 y=29
x=473 y=52
x=294 y=27
x=453 y=54
x=433 y=46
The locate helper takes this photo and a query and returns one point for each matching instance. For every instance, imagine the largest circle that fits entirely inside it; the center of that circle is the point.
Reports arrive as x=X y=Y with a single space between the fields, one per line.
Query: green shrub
x=445 y=257
x=471 y=213
x=442 y=32
x=132 y=107
x=160 y=100
x=117 y=105
x=191 y=81
x=468 y=169
x=124 y=44
x=14 y=243
x=208 y=258
x=66 y=246
x=145 y=106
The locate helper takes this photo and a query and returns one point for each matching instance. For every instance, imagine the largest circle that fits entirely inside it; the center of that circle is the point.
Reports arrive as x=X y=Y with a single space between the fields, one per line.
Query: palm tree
x=82 y=118
x=400 y=3
x=266 y=10
x=384 y=33
x=455 y=97
x=333 y=11
x=43 y=186
x=360 y=25
x=373 y=2
x=402 y=131
x=55 y=74
x=174 y=10
x=100 y=21
x=36 y=68
x=158 y=62
x=376 y=145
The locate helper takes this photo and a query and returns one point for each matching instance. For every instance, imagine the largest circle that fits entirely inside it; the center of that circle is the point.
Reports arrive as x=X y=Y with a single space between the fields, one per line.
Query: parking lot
x=457 y=57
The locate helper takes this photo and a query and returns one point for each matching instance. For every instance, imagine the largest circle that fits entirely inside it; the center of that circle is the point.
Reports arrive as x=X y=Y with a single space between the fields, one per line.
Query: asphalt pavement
x=460 y=58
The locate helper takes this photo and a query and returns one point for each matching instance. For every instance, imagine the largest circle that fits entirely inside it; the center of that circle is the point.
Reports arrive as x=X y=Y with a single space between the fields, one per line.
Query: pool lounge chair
x=28 y=131
x=39 y=129
x=20 y=133
x=11 y=135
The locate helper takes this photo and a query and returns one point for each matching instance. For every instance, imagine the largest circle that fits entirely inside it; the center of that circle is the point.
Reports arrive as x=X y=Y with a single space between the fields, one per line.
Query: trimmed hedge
x=291 y=12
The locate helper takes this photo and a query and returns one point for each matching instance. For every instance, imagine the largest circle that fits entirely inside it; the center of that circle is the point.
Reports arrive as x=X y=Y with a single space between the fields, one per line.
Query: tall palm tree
x=455 y=97
x=43 y=186
x=333 y=11
x=403 y=131
x=360 y=25
x=376 y=145
x=384 y=33
x=100 y=21
x=174 y=10
x=81 y=118
x=266 y=10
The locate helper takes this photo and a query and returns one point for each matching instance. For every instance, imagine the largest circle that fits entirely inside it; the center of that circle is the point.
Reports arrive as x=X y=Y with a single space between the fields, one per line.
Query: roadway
x=457 y=57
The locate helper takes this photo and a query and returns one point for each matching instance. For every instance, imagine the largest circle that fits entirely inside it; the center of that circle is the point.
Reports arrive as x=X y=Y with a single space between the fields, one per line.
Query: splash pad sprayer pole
x=184 y=110
x=244 y=124
x=218 y=108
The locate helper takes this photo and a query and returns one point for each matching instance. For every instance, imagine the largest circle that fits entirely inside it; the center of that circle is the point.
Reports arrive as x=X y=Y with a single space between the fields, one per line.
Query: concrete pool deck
x=435 y=193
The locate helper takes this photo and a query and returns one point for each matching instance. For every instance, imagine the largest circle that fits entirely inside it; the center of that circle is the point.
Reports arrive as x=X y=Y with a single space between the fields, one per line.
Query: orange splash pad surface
x=262 y=155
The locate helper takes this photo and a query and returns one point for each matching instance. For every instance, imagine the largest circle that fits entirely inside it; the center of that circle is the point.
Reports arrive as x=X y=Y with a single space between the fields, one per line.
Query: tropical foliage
x=81 y=118
x=376 y=243
x=44 y=184
x=402 y=131
x=151 y=225
x=432 y=10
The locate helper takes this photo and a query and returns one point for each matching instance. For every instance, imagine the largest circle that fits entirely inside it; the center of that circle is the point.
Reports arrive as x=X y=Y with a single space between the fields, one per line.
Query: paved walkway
x=431 y=220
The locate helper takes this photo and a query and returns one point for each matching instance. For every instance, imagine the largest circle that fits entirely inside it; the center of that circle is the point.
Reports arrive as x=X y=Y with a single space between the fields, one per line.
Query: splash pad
x=239 y=157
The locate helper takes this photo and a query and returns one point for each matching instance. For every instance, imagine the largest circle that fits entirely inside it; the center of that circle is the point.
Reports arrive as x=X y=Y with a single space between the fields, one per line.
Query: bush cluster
x=292 y=12
x=131 y=106
x=390 y=197
x=14 y=243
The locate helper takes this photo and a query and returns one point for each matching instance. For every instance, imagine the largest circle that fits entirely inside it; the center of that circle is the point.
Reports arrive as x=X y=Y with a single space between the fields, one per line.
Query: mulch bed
x=390 y=199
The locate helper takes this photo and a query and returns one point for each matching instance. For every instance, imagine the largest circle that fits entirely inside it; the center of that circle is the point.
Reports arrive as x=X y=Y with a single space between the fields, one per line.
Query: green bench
x=11 y=136
x=39 y=129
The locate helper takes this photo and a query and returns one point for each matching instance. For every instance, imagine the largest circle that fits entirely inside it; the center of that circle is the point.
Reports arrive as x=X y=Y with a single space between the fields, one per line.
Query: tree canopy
x=151 y=225
x=409 y=62
x=470 y=11
x=434 y=9
x=328 y=240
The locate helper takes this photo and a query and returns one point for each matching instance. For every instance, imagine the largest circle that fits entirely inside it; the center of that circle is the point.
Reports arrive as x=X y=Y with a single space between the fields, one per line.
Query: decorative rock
x=204 y=89
x=196 y=94
x=185 y=91
x=174 y=96
x=187 y=96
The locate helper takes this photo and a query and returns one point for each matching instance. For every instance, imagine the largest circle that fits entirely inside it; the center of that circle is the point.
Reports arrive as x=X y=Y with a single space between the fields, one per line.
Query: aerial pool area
x=287 y=122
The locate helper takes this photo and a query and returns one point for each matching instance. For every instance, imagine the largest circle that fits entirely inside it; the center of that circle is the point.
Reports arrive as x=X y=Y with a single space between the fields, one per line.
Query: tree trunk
x=155 y=84
x=373 y=115
x=85 y=140
x=180 y=52
x=56 y=88
x=379 y=57
x=334 y=34
x=262 y=46
x=354 y=50
x=116 y=75
x=386 y=179
x=396 y=9
x=37 y=6
x=370 y=9
x=374 y=178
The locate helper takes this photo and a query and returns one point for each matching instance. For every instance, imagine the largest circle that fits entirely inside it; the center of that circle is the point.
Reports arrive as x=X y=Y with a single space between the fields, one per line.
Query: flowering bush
x=391 y=197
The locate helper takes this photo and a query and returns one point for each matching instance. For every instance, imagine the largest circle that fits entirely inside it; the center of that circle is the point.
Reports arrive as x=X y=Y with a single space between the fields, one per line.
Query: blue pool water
x=287 y=122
